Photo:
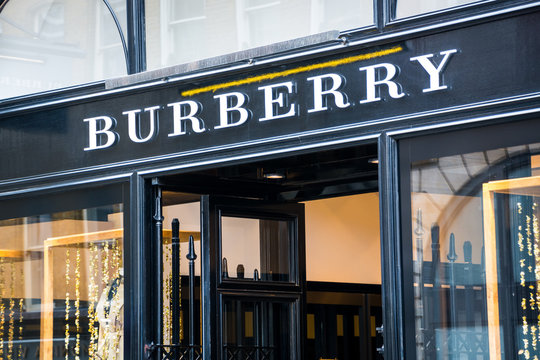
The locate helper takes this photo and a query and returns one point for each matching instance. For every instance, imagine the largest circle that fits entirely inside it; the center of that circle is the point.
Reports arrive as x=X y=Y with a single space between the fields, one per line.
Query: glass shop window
x=183 y=31
x=407 y=8
x=475 y=249
x=61 y=285
x=51 y=44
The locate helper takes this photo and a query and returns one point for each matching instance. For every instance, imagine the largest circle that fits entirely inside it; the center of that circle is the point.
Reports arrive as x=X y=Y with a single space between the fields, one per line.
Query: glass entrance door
x=233 y=278
x=259 y=274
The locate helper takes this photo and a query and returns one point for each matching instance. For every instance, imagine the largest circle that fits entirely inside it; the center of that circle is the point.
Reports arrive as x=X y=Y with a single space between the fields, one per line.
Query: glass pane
x=49 y=44
x=256 y=249
x=188 y=215
x=406 y=8
x=257 y=330
x=476 y=254
x=61 y=285
x=183 y=30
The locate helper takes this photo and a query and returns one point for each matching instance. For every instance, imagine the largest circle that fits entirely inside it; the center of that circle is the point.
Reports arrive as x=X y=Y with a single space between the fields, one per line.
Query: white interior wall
x=343 y=239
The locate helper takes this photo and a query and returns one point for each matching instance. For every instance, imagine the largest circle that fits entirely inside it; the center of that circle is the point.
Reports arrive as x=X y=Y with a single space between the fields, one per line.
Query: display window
x=471 y=243
x=62 y=277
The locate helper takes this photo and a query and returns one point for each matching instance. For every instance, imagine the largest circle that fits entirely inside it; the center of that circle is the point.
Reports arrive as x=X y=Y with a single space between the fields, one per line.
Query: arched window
x=50 y=44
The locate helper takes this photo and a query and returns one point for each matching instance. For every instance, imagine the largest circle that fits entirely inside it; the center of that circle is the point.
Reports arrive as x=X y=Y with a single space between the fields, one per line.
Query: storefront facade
x=359 y=198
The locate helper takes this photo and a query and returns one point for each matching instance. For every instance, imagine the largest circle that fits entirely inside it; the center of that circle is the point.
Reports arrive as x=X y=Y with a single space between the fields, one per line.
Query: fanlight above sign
x=329 y=86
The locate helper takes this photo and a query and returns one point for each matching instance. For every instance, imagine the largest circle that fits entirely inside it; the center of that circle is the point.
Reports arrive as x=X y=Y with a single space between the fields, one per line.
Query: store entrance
x=288 y=255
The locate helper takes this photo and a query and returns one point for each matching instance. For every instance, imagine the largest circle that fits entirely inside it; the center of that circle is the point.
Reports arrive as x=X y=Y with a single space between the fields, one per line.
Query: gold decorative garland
x=21 y=304
x=167 y=295
x=529 y=248
x=93 y=294
x=11 y=326
x=110 y=263
x=66 y=339
x=118 y=306
x=78 y=304
x=2 y=307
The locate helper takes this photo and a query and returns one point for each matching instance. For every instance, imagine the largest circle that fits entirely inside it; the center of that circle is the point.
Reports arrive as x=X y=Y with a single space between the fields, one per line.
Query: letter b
x=226 y=109
x=95 y=135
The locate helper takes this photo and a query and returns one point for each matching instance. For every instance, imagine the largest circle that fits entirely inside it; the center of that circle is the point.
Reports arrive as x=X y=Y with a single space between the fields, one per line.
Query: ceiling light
x=274 y=175
x=373 y=161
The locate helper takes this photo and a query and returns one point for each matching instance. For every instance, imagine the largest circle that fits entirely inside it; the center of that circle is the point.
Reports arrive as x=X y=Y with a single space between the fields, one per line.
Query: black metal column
x=136 y=332
x=191 y=256
x=175 y=285
x=390 y=249
x=158 y=265
x=136 y=36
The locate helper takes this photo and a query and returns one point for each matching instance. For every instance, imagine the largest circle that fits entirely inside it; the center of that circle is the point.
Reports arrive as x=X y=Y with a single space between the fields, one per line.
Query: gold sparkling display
x=105 y=258
x=167 y=292
x=21 y=309
x=11 y=326
x=13 y=270
x=93 y=294
x=167 y=295
x=2 y=307
x=66 y=335
x=529 y=280
x=78 y=304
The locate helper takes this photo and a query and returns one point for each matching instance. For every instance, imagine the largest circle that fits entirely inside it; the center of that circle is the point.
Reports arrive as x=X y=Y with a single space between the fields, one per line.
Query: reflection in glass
x=406 y=8
x=61 y=285
x=256 y=249
x=475 y=254
x=180 y=31
x=257 y=330
x=49 y=44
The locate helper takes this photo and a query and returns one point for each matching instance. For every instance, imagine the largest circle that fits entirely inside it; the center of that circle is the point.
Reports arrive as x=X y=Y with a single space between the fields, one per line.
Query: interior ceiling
x=305 y=177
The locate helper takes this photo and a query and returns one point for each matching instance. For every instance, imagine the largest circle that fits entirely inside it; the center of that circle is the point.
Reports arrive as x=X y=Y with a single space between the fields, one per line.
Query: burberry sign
x=331 y=86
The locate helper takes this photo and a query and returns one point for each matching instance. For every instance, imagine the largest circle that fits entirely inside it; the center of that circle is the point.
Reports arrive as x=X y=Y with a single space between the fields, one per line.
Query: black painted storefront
x=403 y=98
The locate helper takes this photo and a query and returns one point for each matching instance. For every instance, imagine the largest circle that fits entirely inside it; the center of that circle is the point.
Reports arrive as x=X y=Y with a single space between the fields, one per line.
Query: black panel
x=63 y=201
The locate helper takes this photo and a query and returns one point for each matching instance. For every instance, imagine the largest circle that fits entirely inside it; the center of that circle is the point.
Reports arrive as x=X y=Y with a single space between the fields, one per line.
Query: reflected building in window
x=48 y=44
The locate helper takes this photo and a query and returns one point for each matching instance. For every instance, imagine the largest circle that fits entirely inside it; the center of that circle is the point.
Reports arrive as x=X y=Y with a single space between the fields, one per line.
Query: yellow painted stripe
x=301 y=69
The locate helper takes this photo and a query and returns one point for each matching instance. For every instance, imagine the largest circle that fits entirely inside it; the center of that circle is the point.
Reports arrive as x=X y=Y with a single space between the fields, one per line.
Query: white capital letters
x=94 y=134
x=134 y=124
x=372 y=83
x=318 y=93
x=179 y=120
x=224 y=110
x=434 y=72
x=269 y=101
